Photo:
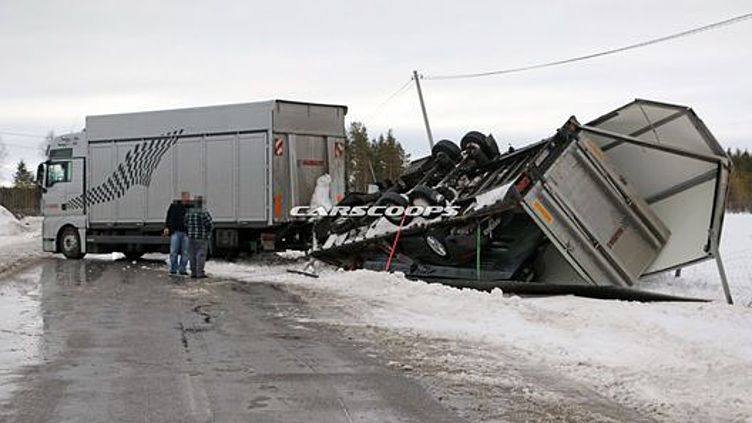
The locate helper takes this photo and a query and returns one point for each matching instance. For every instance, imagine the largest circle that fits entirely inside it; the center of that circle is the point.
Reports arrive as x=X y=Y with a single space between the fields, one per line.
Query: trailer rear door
x=252 y=177
x=594 y=218
x=310 y=161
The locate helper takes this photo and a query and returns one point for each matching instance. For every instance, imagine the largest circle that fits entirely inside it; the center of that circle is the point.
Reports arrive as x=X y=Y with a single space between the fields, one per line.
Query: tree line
x=740 y=183
x=378 y=160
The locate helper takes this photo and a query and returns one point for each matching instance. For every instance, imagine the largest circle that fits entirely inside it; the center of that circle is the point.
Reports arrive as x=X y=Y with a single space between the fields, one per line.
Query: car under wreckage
x=640 y=190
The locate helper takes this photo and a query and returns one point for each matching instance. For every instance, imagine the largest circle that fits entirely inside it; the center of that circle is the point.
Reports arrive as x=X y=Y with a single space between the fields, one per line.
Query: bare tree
x=45 y=145
x=3 y=151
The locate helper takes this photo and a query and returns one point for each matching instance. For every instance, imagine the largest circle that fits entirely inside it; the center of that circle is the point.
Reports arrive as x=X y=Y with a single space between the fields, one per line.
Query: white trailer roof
x=277 y=115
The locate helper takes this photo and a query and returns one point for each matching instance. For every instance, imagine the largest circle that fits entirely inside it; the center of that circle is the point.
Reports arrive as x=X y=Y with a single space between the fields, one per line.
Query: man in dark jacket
x=176 y=230
x=199 y=224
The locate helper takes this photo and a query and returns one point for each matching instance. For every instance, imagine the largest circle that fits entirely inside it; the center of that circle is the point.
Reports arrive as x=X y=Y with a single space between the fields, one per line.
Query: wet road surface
x=89 y=341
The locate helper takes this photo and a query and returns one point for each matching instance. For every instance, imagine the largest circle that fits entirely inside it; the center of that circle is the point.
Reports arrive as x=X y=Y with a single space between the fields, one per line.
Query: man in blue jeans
x=199 y=223
x=176 y=230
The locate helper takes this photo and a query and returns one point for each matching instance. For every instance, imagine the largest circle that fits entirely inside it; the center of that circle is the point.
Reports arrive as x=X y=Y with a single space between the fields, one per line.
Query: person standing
x=176 y=230
x=199 y=223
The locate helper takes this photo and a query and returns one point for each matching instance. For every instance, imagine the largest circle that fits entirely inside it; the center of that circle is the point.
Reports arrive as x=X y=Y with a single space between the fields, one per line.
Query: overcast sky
x=61 y=61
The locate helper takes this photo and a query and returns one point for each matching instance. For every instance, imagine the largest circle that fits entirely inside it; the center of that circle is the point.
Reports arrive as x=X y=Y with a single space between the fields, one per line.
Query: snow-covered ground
x=702 y=280
x=20 y=240
x=669 y=361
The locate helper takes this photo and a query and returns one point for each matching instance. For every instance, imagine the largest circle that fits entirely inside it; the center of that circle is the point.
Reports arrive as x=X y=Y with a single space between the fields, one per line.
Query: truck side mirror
x=41 y=172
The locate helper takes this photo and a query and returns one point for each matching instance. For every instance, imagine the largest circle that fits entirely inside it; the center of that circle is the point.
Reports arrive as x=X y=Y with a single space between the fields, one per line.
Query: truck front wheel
x=70 y=243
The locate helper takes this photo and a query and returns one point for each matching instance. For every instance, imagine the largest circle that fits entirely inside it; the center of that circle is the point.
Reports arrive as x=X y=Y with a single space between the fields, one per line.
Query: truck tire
x=393 y=199
x=70 y=243
x=425 y=196
x=133 y=255
x=487 y=144
x=449 y=148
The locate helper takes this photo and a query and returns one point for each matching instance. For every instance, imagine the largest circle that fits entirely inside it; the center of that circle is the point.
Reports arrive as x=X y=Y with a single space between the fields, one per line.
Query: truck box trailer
x=640 y=190
x=108 y=187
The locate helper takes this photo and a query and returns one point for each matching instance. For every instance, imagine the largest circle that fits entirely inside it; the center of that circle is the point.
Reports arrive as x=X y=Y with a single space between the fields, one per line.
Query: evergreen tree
x=740 y=182
x=357 y=155
x=23 y=178
x=381 y=159
x=394 y=157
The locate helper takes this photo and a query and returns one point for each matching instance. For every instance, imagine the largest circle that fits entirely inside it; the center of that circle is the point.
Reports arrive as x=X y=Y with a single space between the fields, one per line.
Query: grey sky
x=62 y=61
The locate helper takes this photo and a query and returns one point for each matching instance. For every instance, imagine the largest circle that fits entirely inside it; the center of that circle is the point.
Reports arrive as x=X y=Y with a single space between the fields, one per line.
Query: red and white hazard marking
x=339 y=149
x=279 y=146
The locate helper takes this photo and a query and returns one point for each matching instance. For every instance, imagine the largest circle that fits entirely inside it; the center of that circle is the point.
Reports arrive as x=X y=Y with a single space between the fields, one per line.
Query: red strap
x=394 y=244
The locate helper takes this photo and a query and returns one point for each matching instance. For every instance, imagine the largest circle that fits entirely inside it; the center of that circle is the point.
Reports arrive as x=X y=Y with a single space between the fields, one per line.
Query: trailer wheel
x=422 y=192
x=425 y=197
x=70 y=243
x=487 y=144
x=133 y=255
x=393 y=199
x=449 y=149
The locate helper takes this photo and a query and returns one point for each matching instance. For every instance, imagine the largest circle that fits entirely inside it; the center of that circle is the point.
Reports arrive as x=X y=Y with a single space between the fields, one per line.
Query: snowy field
x=668 y=361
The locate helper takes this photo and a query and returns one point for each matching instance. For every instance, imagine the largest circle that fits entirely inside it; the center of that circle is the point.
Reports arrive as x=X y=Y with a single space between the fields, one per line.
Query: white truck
x=108 y=187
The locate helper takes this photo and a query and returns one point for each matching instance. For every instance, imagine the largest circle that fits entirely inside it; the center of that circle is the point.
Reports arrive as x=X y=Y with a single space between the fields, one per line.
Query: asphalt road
x=98 y=341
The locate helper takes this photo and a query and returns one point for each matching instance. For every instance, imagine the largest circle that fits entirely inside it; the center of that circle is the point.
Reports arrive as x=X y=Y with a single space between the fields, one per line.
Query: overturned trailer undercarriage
x=637 y=191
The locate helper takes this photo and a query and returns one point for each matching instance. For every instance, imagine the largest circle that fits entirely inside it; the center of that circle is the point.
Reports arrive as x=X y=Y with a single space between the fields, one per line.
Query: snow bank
x=20 y=241
x=702 y=280
x=9 y=225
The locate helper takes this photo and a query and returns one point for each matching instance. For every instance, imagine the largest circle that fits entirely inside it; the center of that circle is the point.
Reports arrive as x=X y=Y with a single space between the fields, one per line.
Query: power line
x=394 y=95
x=687 y=33
x=28 y=147
x=21 y=134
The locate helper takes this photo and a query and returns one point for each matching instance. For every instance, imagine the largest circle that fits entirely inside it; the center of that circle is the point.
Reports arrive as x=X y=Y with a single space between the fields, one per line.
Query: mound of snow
x=9 y=225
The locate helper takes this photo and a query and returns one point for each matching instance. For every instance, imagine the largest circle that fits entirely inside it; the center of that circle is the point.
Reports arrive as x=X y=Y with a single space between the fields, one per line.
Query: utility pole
x=416 y=78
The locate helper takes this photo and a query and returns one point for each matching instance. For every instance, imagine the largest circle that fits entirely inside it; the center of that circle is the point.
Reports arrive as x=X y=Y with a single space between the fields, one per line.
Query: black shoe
x=183 y=273
x=173 y=273
x=194 y=277
x=202 y=277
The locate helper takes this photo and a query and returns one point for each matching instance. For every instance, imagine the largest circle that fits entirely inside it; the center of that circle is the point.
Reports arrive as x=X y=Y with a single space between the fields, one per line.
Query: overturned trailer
x=637 y=191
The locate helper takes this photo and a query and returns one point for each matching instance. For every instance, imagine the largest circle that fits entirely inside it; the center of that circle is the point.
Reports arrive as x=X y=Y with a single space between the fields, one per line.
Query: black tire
x=448 y=193
x=393 y=199
x=429 y=195
x=70 y=243
x=487 y=144
x=133 y=255
x=450 y=149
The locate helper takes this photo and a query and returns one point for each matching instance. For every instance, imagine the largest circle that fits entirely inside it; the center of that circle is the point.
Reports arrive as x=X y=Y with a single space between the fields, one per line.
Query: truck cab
x=62 y=178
